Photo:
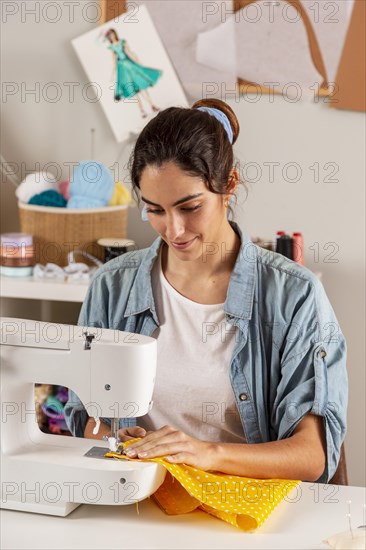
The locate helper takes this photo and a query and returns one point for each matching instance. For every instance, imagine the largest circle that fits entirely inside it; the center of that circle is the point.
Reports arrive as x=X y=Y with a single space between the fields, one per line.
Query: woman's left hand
x=176 y=446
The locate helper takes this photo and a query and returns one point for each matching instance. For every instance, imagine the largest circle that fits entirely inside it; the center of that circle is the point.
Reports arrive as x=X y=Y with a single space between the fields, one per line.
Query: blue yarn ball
x=48 y=198
x=91 y=185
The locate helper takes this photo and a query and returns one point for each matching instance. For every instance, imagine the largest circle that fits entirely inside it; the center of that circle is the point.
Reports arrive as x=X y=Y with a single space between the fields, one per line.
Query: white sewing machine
x=113 y=373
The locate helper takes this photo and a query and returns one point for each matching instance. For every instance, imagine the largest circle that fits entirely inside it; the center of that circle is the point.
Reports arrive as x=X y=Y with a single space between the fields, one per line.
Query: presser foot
x=115 y=444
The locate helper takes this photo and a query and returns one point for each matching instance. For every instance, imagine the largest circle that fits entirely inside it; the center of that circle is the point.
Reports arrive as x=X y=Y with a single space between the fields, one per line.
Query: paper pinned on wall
x=223 y=58
x=130 y=70
x=275 y=48
x=203 y=57
x=277 y=51
x=186 y=20
x=268 y=51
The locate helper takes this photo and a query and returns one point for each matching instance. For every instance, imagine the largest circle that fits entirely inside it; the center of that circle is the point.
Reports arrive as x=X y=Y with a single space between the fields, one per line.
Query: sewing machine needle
x=115 y=428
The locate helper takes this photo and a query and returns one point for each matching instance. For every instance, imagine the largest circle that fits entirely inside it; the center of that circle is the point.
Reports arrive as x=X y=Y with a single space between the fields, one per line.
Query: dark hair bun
x=225 y=108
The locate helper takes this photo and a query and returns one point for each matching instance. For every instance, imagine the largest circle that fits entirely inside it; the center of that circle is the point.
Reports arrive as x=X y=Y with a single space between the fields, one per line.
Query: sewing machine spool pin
x=88 y=337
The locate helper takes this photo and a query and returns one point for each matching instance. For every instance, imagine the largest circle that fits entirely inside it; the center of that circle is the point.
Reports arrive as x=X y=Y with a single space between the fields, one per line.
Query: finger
x=182 y=458
x=163 y=449
x=152 y=437
x=149 y=443
x=126 y=434
x=136 y=431
x=123 y=435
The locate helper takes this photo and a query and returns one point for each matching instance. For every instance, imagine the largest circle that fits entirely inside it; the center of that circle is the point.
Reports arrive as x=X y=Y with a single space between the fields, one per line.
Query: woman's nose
x=174 y=227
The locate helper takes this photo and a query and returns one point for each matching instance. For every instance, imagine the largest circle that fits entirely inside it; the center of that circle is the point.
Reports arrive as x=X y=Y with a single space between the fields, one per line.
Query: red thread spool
x=298 y=248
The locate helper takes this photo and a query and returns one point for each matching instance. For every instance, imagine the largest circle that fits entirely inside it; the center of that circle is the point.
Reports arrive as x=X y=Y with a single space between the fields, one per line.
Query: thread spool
x=298 y=252
x=115 y=247
x=278 y=235
x=284 y=246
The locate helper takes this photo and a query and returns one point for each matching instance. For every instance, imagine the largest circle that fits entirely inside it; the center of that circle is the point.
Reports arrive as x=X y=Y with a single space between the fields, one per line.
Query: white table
x=310 y=514
x=42 y=289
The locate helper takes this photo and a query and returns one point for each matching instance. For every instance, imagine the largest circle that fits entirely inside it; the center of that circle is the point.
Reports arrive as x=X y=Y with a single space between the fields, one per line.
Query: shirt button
x=243 y=396
x=323 y=353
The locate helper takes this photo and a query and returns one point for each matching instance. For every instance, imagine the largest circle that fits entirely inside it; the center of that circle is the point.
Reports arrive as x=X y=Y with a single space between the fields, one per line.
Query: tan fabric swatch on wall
x=111 y=9
x=350 y=89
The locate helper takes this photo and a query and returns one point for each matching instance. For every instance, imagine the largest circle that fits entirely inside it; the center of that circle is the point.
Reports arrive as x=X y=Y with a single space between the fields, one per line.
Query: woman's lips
x=182 y=245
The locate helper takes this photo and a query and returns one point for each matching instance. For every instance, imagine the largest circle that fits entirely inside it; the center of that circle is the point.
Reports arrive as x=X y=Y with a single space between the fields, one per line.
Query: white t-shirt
x=192 y=390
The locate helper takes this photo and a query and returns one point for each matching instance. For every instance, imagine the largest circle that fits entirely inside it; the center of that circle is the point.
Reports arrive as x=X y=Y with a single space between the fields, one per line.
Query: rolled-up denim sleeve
x=314 y=377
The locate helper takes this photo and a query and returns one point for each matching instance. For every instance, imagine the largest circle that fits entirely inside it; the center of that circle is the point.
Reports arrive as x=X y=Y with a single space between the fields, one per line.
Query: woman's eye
x=192 y=208
x=152 y=211
x=183 y=209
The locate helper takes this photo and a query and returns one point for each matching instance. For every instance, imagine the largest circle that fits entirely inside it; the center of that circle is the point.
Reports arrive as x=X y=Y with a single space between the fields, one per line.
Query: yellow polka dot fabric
x=244 y=502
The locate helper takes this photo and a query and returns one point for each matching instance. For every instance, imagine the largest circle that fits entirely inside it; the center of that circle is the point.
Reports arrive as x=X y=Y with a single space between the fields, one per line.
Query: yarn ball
x=35 y=183
x=49 y=198
x=64 y=189
x=91 y=185
x=121 y=195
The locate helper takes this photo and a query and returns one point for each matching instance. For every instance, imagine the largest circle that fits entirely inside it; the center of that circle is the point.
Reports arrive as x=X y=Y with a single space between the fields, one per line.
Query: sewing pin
x=349 y=517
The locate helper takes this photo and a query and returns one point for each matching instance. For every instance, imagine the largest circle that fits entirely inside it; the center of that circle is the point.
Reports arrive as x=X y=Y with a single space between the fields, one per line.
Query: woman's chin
x=189 y=253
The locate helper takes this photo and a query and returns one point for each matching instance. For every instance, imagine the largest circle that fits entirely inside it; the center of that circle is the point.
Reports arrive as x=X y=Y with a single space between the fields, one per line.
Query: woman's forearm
x=301 y=456
x=277 y=459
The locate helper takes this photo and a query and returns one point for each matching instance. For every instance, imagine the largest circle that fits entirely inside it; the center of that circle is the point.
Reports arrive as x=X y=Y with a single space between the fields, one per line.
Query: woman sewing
x=251 y=376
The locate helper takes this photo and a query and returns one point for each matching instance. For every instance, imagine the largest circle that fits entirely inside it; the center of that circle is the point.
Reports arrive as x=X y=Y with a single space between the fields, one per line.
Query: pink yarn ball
x=64 y=188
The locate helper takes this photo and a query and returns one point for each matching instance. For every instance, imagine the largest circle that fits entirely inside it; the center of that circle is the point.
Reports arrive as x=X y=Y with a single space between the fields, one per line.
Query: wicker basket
x=57 y=231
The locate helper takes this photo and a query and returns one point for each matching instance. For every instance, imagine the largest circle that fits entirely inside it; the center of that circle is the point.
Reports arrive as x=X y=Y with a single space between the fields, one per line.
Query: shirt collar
x=239 y=300
x=240 y=295
x=141 y=295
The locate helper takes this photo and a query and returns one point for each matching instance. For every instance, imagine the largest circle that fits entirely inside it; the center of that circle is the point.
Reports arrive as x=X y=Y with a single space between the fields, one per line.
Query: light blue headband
x=221 y=117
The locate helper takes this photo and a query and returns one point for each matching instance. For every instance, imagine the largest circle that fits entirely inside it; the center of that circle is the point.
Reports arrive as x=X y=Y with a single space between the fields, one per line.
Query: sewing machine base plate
x=97 y=452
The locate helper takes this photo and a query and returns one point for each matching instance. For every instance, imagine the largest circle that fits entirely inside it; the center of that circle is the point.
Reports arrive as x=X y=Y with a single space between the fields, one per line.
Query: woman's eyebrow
x=180 y=201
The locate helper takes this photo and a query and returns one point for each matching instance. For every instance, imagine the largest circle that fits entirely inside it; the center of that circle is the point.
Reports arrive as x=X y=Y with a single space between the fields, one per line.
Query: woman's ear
x=232 y=184
x=231 y=187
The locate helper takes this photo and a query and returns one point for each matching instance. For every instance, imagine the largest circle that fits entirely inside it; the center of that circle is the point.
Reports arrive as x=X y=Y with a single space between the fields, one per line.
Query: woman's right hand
x=125 y=434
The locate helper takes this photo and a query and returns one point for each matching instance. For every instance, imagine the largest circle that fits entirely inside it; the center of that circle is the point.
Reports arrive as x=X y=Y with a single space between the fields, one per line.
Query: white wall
x=279 y=131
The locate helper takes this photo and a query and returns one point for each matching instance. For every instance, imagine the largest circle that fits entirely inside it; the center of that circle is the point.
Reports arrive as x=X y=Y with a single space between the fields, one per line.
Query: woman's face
x=112 y=37
x=190 y=218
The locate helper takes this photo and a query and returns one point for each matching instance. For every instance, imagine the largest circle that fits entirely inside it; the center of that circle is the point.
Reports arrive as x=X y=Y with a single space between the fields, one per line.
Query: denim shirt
x=289 y=357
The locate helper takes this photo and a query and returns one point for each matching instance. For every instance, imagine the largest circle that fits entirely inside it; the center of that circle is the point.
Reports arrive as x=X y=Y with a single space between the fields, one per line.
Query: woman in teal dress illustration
x=132 y=78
